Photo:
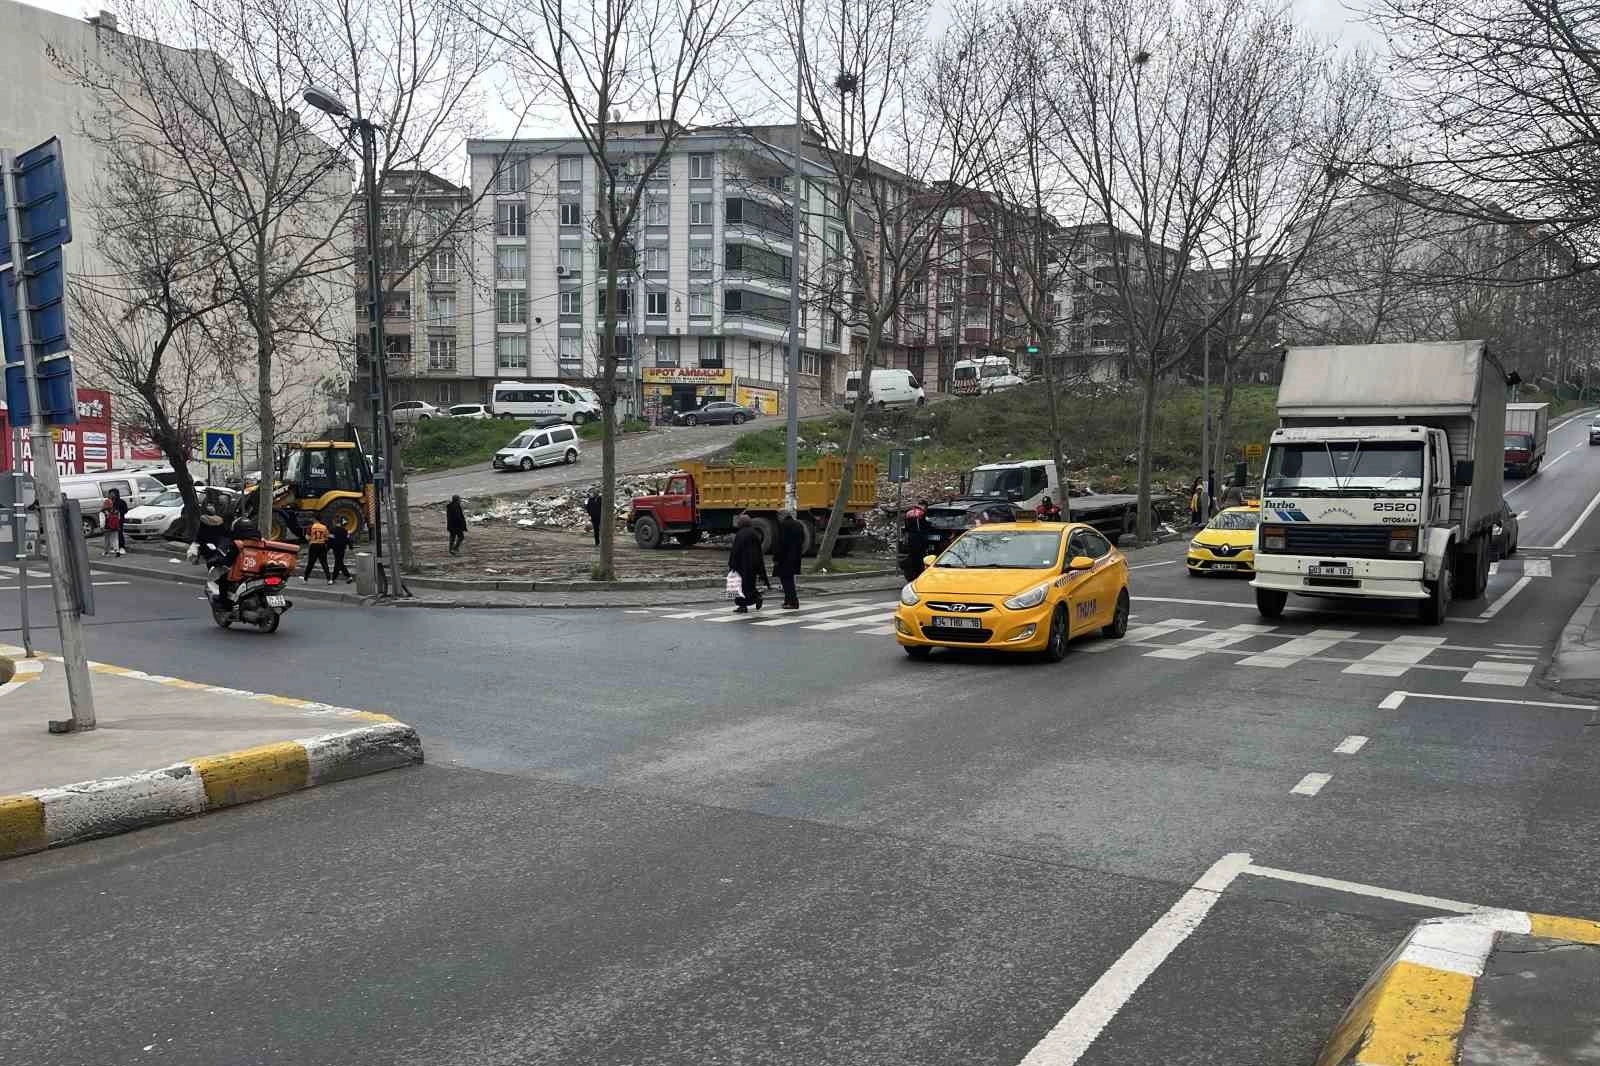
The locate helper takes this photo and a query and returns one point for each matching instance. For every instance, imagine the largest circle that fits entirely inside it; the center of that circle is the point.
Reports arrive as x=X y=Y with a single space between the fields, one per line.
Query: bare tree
x=650 y=57
x=898 y=121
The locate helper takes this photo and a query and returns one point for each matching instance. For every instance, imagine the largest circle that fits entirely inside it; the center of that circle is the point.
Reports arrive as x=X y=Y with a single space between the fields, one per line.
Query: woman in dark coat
x=455 y=523
x=786 y=560
x=747 y=559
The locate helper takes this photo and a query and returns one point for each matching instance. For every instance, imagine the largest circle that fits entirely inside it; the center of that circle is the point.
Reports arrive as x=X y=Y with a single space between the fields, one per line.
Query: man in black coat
x=592 y=506
x=786 y=560
x=455 y=522
x=747 y=559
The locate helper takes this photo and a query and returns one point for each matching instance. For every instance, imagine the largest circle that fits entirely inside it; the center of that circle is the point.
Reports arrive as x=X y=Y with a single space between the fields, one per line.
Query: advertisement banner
x=685 y=375
x=80 y=449
x=763 y=400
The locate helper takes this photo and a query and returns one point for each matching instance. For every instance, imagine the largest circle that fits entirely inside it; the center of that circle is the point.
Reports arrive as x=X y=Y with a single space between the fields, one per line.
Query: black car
x=715 y=413
x=947 y=521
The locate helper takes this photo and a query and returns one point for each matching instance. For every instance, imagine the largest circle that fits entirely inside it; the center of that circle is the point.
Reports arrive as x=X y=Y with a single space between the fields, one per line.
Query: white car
x=413 y=411
x=473 y=411
x=156 y=518
x=539 y=447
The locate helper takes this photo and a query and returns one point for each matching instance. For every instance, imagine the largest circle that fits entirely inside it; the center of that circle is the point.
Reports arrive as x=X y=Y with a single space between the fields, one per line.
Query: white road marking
x=1536 y=567
x=1494 y=568
x=1396 y=657
x=794 y=618
x=1507 y=596
x=1522 y=515
x=1495 y=672
x=1500 y=645
x=1356 y=889
x=1310 y=784
x=1196 y=603
x=1350 y=745
x=1314 y=643
x=1394 y=699
x=1077 y=1030
x=880 y=631
x=849 y=623
x=1198 y=646
x=1149 y=632
x=1164 y=562
x=636 y=611
x=700 y=613
x=1582 y=518
x=36 y=588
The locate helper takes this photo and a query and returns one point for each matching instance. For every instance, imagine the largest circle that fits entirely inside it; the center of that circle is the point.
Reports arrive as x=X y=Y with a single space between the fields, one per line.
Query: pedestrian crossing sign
x=221 y=445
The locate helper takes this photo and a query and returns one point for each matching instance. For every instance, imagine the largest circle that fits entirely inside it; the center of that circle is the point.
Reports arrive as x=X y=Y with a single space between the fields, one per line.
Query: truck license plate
x=1330 y=570
x=957 y=623
x=275 y=601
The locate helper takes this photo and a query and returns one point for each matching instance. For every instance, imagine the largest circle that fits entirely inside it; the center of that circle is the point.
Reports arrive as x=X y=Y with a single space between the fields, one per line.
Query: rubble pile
x=557 y=509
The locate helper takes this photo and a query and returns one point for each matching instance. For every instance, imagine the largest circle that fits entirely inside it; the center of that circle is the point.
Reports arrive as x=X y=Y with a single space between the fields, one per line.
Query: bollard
x=366 y=574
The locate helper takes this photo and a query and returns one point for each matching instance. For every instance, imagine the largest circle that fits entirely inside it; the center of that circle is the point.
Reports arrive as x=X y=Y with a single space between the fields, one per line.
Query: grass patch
x=1100 y=428
x=443 y=443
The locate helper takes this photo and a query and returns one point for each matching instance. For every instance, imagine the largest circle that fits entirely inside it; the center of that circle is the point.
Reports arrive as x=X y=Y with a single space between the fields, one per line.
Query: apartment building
x=704 y=300
x=1092 y=341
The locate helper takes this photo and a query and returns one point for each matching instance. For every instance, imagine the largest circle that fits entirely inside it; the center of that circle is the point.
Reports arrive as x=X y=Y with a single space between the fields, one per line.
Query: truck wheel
x=767 y=526
x=646 y=532
x=1270 y=602
x=1436 y=607
x=689 y=539
x=1472 y=570
x=808 y=546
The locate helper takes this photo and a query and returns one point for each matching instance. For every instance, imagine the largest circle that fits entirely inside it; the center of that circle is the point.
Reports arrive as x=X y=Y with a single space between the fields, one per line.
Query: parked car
x=538 y=447
x=1594 y=430
x=715 y=413
x=90 y=489
x=413 y=411
x=889 y=388
x=1504 y=542
x=473 y=411
x=158 y=517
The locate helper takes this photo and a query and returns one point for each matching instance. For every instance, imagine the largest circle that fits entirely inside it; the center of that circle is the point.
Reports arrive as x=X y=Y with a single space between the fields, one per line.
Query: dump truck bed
x=760 y=488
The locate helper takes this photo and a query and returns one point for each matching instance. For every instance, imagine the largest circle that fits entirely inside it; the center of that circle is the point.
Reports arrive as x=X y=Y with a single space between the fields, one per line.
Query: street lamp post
x=378 y=371
x=791 y=447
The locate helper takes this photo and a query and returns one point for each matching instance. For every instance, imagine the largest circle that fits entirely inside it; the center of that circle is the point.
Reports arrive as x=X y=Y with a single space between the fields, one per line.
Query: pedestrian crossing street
x=1257 y=646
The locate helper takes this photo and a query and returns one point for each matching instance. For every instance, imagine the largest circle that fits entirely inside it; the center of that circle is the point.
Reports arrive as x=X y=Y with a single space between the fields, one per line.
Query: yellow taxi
x=1016 y=586
x=1227 y=544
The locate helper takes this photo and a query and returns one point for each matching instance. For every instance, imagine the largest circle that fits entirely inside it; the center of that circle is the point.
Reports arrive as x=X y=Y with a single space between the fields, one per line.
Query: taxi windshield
x=1003 y=551
x=1235 y=520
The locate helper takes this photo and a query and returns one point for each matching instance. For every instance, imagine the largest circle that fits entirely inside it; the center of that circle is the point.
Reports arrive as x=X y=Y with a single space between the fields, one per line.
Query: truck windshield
x=1340 y=466
x=1001 y=484
x=1519 y=441
x=1003 y=551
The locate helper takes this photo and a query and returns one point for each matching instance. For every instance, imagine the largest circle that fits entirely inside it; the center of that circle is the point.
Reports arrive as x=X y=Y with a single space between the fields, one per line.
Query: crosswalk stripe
x=1191 y=649
x=849 y=622
x=1496 y=672
x=1396 y=657
x=1314 y=643
x=801 y=616
x=1148 y=632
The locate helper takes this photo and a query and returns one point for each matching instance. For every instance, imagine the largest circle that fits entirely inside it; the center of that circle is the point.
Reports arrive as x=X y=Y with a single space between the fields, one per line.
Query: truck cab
x=670 y=512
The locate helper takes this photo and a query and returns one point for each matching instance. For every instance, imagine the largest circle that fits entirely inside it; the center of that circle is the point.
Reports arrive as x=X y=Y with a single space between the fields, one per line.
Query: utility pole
x=47 y=479
x=791 y=447
x=1205 y=421
x=20 y=514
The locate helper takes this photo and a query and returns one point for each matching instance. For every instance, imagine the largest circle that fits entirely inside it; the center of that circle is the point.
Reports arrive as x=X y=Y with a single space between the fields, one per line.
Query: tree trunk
x=265 y=424
x=1057 y=456
x=605 y=568
x=1224 y=416
x=1147 y=416
x=166 y=437
x=852 y=450
x=402 y=510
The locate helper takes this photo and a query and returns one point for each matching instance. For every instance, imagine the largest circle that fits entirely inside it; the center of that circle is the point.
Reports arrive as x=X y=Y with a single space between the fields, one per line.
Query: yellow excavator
x=327 y=479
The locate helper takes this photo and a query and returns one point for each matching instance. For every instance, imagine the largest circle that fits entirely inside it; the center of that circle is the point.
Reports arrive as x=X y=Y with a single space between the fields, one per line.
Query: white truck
x=1383 y=478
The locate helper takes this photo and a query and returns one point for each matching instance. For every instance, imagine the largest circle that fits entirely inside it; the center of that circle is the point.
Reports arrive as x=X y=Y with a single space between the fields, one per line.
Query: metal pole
x=20 y=514
x=1205 y=424
x=382 y=436
x=47 y=484
x=791 y=447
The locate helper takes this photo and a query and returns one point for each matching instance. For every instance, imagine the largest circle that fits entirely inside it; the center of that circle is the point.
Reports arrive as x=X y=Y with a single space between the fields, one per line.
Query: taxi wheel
x=1119 y=618
x=917 y=651
x=1055 y=648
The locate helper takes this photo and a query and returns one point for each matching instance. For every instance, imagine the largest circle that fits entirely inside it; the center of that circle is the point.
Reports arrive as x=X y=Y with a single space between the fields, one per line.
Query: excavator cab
x=327 y=479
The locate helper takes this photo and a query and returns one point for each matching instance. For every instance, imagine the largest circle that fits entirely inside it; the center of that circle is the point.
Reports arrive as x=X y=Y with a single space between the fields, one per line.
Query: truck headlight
x=1272 y=539
x=908 y=595
x=1032 y=598
x=1402 y=541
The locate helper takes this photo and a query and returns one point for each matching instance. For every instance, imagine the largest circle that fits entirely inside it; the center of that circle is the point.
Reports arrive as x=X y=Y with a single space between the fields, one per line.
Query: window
x=836 y=243
x=511 y=264
x=569 y=303
x=624 y=351
x=655 y=259
x=733 y=212
x=571 y=261
x=810 y=362
x=655 y=303
x=398 y=305
x=571 y=214
x=655 y=212
x=511 y=219
x=700 y=213
x=835 y=329
x=511 y=352
x=700 y=304
x=700 y=258
x=666 y=351
x=441 y=310
x=1088 y=542
x=700 y=167
x=511 y=307
x=711 y=352
x=512 y=177
x=624 y=302
x=442 y=264
x=441 y=353
x=571 y=168
x=571 y=354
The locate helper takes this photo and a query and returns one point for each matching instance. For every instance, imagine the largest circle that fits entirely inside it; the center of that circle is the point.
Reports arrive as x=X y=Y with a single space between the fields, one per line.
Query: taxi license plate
x=1224 y=566
x=1330 y=570
x=275 y=601
x=958 y=623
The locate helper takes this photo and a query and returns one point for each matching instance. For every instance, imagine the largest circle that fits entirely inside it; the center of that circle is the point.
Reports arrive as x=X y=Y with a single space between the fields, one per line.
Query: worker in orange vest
x=317 y=537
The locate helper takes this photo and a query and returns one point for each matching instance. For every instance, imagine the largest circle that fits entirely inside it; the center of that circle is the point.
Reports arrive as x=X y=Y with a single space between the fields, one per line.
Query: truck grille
x=1355 y=542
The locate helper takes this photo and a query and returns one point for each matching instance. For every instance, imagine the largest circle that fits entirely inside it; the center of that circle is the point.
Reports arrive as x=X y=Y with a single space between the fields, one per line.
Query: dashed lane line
x=1350 y=745
x=1310 y=784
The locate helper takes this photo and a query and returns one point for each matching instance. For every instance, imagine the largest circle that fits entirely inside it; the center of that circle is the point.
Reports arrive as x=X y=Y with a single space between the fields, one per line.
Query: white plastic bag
x=734 y=585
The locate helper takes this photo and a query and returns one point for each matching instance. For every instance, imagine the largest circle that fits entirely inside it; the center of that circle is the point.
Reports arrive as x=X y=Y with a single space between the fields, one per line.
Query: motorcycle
x=251 y=589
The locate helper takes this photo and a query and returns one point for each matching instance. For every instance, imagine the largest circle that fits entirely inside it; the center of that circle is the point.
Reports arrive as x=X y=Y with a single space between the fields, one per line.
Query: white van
x=889 y=387
x=538 y=447
x=521 y=399
x=89 y=489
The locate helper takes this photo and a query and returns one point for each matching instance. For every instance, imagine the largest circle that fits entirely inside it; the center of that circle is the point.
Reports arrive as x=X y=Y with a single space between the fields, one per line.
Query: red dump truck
x=700 y=501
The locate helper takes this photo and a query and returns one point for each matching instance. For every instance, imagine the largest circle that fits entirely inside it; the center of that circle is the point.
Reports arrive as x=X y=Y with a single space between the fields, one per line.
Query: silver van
x=89 y=489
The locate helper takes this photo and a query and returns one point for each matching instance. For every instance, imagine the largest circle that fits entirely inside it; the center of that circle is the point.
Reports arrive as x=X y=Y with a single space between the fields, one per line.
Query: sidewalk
x=648 y=595
x=1575 y=669
x=166 y=748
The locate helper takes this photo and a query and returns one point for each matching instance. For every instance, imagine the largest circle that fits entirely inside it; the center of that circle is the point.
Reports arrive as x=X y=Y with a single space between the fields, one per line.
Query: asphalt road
x=637 y=453
x=653 y=839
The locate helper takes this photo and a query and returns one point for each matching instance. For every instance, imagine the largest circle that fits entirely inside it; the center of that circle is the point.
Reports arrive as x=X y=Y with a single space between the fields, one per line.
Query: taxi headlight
x=1196 y=544
x=908 y=595
x=1032 y=598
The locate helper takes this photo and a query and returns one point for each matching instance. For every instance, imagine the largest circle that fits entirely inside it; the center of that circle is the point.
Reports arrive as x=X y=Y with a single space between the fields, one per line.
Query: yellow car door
x=1105 y=578
x=1083 y=587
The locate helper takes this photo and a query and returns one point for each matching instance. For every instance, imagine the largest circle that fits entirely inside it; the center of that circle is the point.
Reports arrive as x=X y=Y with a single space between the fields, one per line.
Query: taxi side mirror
x=1080 y=562
x=928 y=560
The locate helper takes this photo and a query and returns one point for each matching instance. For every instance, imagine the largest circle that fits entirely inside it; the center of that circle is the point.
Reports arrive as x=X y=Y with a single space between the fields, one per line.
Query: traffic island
x=139 y=767
x=1490 y=987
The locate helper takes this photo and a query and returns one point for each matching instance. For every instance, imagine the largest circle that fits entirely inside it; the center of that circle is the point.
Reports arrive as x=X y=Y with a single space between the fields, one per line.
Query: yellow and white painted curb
x=1414 y=1009
x=50 y=817
x=14 y=673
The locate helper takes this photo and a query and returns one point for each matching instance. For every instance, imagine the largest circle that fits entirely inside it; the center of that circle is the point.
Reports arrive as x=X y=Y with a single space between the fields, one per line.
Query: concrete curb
x=1413 y=1010
x=52 y=817
x=186 y=577
x=1565 y=664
